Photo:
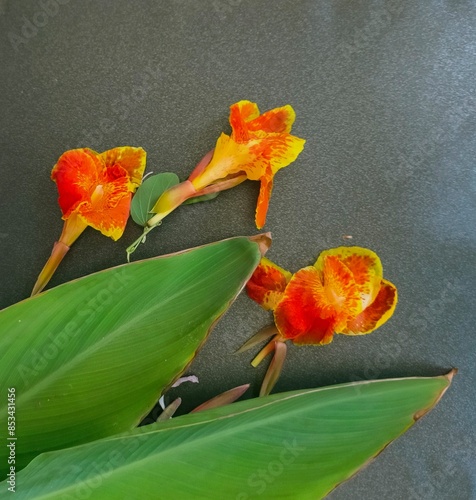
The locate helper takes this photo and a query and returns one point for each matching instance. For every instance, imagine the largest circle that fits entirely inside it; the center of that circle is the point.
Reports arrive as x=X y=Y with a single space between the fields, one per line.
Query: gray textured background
x=384 y=95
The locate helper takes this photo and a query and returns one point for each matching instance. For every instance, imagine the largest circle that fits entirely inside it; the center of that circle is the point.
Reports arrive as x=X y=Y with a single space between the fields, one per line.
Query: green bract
x=147 y=195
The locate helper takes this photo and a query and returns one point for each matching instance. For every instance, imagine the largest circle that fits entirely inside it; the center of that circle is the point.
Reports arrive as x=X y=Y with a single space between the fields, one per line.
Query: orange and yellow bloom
x=259 y=146
x=95 y=190
x=343 y=292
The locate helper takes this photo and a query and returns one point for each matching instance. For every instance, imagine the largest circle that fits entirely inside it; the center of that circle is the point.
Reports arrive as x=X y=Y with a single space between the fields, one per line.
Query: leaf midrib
x=217 y=434
x=72 y=362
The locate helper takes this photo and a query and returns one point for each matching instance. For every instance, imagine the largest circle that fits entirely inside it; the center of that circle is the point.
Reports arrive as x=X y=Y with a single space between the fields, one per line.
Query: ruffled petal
x=364 y=265
x=132 y=160
x=76 y=175
x=258 y=147
x=241 y=113
x=341 y=291
x=274 y=152
x=305 y=314
x=108 y=210
x=267 y=284
x=377 y=313
x=278 y=120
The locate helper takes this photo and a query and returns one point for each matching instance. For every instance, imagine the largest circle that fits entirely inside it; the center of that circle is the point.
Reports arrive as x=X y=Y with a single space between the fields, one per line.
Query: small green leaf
x=199 y=199
x=148 y=194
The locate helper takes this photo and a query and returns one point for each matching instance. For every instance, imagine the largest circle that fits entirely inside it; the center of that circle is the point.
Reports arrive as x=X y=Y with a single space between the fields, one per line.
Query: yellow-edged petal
x=241 y=113
x=364 y=265
x=132 y=160
x=377 y=313
x=267 y=284
x=278 y=120
x=108 y=208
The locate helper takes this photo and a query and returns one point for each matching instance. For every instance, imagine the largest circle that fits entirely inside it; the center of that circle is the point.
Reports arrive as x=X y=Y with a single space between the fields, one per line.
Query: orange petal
x=304 y=315
x=240 y=113
x=278 y=120
x=76 y=174
x=263 y=201
x=267 y=284
x=377 y=313
x=108 y=210
x=132 y=160
x=364 y=265
x=229 y=157
x=275 y=151
x=341 y=292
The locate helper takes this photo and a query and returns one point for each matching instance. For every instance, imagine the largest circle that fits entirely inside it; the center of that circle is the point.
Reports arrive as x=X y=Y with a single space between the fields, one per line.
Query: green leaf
x=147 y=195
x=89 y=358
x=298 y=444
x=199 y=199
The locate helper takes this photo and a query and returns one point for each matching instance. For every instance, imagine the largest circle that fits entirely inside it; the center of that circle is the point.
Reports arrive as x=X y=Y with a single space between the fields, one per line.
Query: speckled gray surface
x=384 y=94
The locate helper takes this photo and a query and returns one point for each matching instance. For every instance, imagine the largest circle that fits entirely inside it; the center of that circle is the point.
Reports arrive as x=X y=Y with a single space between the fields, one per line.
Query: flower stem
x=59 y=251
x=73 y=227
x=141 y=239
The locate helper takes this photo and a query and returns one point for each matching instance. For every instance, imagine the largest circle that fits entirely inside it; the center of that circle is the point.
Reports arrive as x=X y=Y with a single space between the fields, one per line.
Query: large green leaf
x=296 y=445
x=89 y=358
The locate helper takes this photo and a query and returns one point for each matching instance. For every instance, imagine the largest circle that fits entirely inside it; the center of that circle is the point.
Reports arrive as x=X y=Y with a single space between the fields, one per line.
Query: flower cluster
x=343 y=292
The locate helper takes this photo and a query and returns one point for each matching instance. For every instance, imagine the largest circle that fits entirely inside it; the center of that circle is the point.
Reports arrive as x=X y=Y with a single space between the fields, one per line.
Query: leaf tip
x=263 y=241
x=449 y=378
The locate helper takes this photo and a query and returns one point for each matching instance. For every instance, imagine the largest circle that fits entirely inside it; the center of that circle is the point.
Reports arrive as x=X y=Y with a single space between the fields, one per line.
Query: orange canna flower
x=343 y=292
x=259 y=146
x=95 y=190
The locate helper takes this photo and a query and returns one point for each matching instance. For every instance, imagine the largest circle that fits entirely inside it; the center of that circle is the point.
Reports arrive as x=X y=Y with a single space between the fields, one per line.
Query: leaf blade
x=307 y=442
x=90 y=358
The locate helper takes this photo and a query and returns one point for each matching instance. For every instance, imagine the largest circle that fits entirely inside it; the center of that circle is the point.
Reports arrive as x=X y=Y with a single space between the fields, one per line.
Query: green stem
x=141 y=239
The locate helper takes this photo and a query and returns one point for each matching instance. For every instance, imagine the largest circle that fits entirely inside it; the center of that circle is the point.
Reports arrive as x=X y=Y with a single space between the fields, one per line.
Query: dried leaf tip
x=263 y=241
x=449 y=377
